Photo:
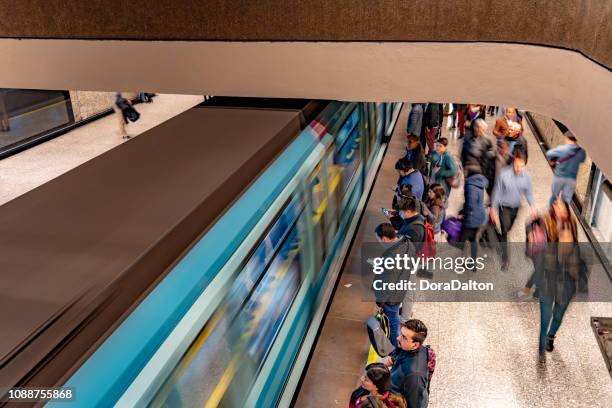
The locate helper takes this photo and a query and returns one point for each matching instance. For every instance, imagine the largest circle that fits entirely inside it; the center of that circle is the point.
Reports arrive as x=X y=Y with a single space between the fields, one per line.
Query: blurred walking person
x=511 y=184
x=125 y=113
x=557 y=274
x=566 y=160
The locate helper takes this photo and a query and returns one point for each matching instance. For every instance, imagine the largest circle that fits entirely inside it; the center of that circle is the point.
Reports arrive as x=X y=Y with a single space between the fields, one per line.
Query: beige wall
x=88 y=103
x=561 y=84
x=553 y=137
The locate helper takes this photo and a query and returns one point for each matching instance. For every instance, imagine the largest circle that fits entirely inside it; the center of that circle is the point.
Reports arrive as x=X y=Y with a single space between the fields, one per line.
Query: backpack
x=378 y=333
x=431 y=364
x=428 y=250
x=457 y=180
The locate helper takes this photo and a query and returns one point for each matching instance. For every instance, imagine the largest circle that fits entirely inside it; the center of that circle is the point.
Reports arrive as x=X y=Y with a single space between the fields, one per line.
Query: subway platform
x=486 y=351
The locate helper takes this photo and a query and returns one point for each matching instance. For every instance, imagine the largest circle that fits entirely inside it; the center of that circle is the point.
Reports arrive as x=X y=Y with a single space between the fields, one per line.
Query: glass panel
x=372 y=130
x=347 y=159
x=25 y=113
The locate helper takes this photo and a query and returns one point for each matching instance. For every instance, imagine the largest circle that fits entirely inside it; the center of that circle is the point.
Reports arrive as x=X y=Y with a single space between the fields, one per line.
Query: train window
x=380 y=115
x=348 y=158
x=320 y=203
x=351 y=123
x=222 y=363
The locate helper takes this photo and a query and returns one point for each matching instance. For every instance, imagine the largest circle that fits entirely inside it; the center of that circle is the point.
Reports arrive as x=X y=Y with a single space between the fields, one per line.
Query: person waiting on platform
x=415 y=119
x=410 y=364
x=408 y=174
x=374 y=390
x=443 y=165
x=390 y=301
x=415 y=153
x=436 y=202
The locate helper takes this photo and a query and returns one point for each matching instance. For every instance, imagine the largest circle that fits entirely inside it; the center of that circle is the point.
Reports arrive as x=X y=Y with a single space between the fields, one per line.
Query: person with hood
x=474 y=212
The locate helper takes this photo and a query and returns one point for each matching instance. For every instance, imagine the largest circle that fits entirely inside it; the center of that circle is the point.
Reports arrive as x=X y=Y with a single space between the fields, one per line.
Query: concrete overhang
x=558 y=83
x=548 y=56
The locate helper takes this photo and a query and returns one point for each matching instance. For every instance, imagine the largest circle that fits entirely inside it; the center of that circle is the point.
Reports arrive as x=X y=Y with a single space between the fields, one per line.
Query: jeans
x=550 y=309
x=392 y=312
x=565 y=186
x=507 y=216
x=511 y=146
x=407 y=306
x=469 y=235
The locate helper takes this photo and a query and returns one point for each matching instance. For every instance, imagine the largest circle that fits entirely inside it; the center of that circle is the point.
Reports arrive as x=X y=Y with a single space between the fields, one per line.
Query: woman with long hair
x=557 y=276
x=374 y=390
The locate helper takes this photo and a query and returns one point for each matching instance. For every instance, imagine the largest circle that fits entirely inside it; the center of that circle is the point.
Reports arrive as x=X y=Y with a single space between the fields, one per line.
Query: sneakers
x=425 y=274
x=550 y=343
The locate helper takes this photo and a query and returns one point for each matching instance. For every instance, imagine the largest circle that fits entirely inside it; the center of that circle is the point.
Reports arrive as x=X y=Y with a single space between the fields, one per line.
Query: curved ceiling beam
x=557 y=83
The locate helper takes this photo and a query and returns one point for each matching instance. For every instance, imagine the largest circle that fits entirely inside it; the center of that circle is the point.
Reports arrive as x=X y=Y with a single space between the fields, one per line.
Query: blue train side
x=233 y=322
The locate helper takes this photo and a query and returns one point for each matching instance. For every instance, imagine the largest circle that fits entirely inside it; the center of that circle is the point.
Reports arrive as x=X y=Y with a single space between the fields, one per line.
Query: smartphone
x=389 y=213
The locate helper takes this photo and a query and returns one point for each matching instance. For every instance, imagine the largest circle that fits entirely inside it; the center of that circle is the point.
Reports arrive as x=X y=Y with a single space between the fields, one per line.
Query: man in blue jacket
x=409 y=364
x=567 y=159
x=411 y=176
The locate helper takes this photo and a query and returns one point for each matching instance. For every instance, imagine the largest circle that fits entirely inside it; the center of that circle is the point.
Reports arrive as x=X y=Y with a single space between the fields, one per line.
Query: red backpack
x=428 y=250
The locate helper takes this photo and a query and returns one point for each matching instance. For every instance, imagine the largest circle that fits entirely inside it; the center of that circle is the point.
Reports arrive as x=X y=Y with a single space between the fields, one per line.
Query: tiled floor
x=486 y=351
x=33 y=167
